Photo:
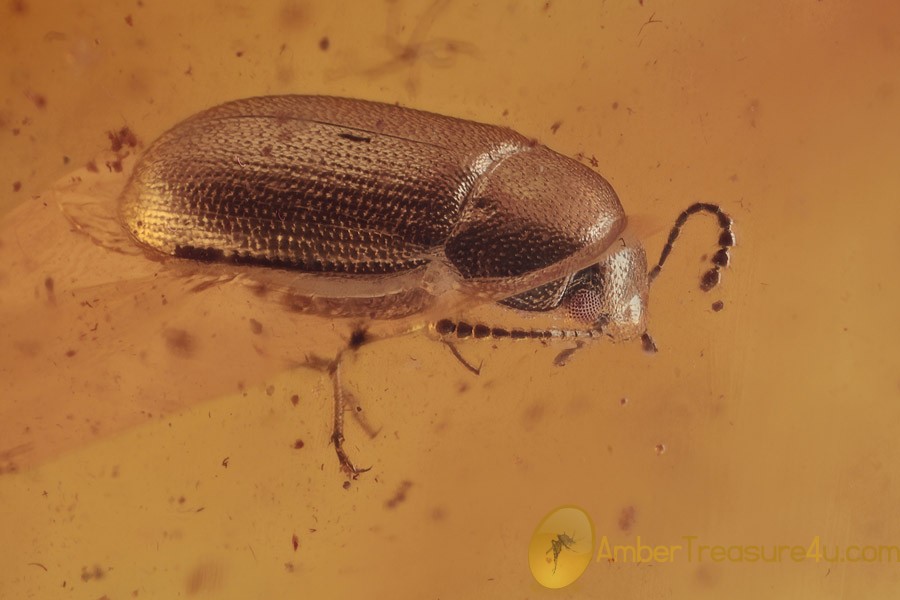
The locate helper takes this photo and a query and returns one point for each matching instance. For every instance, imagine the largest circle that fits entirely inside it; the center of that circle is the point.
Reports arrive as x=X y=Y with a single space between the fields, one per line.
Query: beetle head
x=608 y=297
x=611 y=296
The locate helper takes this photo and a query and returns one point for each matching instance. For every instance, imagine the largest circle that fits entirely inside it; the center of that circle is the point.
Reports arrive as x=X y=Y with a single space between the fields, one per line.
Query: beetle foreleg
x=720 y=259
x=562 y=359
x=461 y=358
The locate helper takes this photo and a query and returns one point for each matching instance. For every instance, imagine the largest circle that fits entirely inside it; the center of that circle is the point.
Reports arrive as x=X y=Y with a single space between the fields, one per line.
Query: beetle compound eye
x=586 y=306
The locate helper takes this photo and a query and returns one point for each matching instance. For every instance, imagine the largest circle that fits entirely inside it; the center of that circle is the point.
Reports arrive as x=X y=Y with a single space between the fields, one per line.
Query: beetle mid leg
x=720 y=259
x=337 y=431
x=343 y=400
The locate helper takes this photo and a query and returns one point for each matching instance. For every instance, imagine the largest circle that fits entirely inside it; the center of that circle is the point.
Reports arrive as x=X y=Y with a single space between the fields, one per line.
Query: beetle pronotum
x=371 y=211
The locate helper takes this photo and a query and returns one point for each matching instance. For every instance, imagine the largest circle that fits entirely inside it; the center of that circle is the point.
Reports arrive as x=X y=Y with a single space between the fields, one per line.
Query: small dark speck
x=129 y=20
x=295 y=399
x=95 y=573
x=17 y=185
x=627 y=518
x=19 y=7
x=358 y=338
x=225 y=462
x=354 y=138
x=346 y=485
x=324 y=44
x=121 y=138
x=555 y=127
x=298 y=444
x=179 y=341
x=295 y=542
x=71 y=353
x=39 y=100
x=16 y=131
x=270 y=389
x=399 y=496
x=615 y=105
x=718 y=305
x=239 y=53
x=255 y=326
x=65 y=160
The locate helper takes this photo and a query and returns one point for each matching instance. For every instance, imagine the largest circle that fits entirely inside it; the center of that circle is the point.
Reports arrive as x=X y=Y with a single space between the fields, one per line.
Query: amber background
x=778 y=416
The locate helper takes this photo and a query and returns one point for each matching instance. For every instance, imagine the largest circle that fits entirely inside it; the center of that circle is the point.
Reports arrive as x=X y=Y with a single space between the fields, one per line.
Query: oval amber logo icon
x=561 y=547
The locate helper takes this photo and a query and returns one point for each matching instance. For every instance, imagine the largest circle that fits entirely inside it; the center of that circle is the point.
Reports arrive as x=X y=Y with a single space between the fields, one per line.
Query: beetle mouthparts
x=648 y=344
x=720 y=259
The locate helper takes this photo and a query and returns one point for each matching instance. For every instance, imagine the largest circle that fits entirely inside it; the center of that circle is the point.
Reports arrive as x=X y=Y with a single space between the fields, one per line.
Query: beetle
x=372 y=211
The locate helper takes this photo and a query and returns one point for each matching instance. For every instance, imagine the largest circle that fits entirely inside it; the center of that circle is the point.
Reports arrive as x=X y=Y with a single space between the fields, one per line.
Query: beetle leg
x=351 y=403
x=461 y=358
x=337 y=432
x=342 y=400
x=563 y=357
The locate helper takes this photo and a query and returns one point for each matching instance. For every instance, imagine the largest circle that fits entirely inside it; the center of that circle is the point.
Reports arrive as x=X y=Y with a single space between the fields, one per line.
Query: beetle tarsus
x=347 y=466
x=337 y=432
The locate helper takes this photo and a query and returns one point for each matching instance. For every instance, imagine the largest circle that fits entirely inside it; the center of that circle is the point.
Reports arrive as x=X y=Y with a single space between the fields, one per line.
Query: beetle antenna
x=447 y=328
x=720 y=258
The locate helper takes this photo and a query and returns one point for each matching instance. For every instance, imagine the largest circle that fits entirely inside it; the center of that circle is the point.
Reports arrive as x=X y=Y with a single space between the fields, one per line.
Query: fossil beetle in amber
x=378 y=211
